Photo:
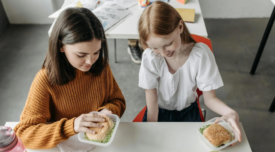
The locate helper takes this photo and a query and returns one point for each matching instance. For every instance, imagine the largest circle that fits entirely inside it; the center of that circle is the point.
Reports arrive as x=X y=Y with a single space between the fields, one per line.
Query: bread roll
x=101 y=133
x=217 y=135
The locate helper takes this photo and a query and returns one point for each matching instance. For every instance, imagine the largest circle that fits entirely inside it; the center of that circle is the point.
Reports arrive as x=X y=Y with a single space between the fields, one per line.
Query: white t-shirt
x=177 y=91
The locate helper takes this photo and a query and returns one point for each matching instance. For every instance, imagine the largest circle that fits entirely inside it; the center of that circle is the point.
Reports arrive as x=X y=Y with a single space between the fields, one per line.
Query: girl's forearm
x=152 y=112
x=216 y=105
x=152 y=105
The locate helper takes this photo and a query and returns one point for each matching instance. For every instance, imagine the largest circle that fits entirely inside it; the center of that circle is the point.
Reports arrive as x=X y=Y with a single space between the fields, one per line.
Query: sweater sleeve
x=116 y=102
x=34 y=128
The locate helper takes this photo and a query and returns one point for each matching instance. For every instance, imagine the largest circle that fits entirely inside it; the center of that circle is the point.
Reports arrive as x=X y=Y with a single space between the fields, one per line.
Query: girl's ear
x=180 y=26
x=61 y=47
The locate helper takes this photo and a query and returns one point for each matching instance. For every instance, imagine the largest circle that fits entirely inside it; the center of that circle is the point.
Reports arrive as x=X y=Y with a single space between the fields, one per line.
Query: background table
x=158 y=137
x=128 y=28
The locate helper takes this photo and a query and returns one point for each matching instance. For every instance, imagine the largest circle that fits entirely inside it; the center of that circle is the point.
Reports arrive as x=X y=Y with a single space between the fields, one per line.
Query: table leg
x=272 y=107
x=115 y=50
x=262 y=45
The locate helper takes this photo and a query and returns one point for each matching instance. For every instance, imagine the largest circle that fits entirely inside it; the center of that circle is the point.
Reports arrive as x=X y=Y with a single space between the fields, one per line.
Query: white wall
x=236 y=8
x=37 y=11
x=28 y=11
x=57 y=4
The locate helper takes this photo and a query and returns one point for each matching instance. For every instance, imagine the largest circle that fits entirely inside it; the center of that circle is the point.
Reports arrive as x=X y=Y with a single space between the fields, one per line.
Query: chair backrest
x=202 y=40
x=197 y=38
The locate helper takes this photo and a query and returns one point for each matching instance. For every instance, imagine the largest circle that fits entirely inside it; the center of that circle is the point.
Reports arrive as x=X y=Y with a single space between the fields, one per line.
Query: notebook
x=110 y=13
x=188 y=15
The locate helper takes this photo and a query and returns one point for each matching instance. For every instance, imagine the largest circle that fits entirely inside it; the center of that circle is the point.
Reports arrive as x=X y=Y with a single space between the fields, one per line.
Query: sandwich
x=216 y=134
x=102 y=134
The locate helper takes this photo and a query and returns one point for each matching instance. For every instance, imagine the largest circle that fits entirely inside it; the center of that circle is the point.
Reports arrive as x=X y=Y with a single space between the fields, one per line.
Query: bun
x=101 y=133
x=217 y=135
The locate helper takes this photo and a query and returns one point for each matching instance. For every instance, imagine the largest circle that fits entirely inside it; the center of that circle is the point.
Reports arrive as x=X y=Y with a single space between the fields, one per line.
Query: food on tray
x=103 y=134
x=216 y=134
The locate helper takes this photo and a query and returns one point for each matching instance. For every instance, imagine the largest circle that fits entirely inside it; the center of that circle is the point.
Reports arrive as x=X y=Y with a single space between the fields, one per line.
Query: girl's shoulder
x=42 y=73
x=42 y=77
x=41 y=80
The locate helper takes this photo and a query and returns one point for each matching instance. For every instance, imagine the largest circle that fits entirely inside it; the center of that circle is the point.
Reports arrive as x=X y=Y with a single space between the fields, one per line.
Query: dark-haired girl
x=75 y=79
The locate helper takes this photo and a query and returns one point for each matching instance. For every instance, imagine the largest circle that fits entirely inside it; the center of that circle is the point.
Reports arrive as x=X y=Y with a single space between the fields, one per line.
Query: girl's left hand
x=233 y=119
x=106 y=111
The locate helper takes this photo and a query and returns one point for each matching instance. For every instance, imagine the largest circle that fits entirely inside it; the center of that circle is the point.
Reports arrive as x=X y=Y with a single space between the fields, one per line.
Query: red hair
x=161 y=18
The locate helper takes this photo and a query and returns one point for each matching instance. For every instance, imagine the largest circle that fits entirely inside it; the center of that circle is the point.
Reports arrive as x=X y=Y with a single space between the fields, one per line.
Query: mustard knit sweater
x=50 y=110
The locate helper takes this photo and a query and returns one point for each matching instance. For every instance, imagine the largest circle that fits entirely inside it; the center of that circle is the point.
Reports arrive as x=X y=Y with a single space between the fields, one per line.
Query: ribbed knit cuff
x=69 y=128
x=111 y=108
x=103 y=107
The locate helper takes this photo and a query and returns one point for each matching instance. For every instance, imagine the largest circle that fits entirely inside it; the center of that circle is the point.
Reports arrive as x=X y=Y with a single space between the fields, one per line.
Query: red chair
x=197 y=38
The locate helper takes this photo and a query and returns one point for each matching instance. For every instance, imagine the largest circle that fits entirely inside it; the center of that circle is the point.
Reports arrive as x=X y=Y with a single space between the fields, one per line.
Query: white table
x=154 y=137
x=128 y=28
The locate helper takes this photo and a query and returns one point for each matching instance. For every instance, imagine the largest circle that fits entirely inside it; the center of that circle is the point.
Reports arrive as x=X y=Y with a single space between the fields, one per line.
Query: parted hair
x=73 y=25
x=161 y=18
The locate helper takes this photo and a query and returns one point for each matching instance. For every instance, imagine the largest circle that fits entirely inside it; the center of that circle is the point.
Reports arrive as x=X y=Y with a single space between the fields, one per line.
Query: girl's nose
x=90 y=60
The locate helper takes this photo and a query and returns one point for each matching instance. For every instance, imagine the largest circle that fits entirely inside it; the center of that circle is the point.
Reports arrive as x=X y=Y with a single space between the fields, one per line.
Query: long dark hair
x=73 y=25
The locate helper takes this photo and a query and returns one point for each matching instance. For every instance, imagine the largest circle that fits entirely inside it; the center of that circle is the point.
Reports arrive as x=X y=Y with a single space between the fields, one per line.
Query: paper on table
x=110 y=13
x=127 y=3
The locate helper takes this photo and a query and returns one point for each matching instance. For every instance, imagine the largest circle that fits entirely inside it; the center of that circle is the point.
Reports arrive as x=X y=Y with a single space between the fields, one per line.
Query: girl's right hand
x=84 y=121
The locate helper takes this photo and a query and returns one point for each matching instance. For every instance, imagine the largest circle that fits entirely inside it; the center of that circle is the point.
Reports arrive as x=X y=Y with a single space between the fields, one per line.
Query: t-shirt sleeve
x=208 y=76
x=148 y=73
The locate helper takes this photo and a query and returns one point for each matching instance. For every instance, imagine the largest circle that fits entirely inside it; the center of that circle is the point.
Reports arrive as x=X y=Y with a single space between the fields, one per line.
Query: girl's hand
x=84 y=121
x=106 y=111
x=233 y=119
